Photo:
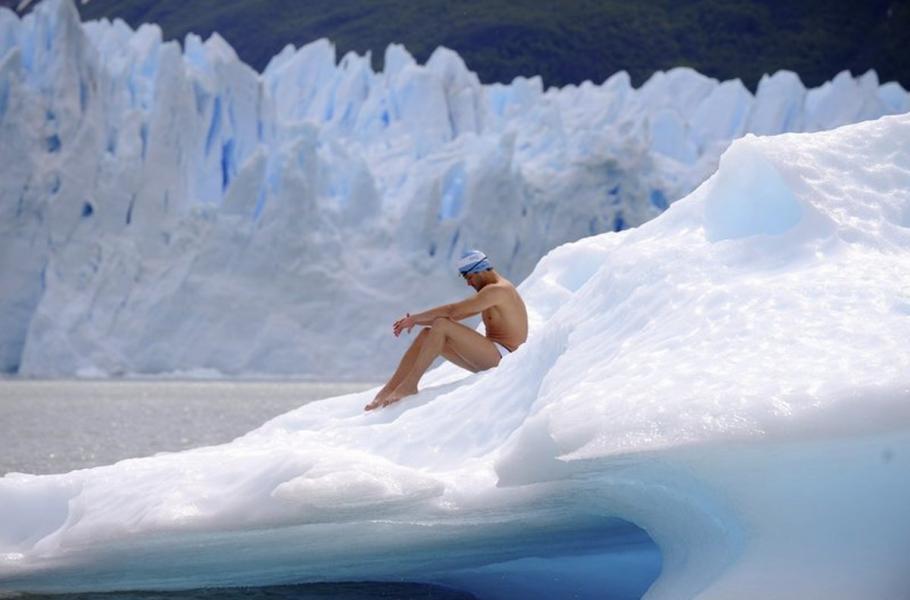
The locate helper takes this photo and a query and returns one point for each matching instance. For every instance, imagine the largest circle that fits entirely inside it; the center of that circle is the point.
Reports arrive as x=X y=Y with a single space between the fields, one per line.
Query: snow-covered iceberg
x=733 y=377
x=166 y=208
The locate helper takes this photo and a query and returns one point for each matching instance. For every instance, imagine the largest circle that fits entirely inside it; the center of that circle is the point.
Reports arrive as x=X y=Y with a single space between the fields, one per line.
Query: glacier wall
x=733 y=377
x=168 y=209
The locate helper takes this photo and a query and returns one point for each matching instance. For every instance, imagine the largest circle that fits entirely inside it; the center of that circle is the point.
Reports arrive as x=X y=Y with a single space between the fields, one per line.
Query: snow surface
x=166 y=209
x=732 y=376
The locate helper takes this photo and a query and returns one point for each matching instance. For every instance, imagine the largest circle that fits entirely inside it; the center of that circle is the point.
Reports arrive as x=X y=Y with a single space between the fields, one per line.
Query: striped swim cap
x=473 y=261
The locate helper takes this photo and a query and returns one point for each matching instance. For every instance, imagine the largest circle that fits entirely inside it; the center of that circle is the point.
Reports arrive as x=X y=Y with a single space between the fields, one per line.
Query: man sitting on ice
x=504 y=317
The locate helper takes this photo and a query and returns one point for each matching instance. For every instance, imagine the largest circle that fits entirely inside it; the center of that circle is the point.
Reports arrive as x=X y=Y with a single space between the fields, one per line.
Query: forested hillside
x=564 y=42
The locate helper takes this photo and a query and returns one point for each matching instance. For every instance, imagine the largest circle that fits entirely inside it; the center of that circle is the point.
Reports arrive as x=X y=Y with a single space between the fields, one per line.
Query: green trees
x=564 y=42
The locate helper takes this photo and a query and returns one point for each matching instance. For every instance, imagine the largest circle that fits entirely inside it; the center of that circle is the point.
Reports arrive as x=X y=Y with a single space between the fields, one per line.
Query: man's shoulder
x=505 y=284
x=500 y=289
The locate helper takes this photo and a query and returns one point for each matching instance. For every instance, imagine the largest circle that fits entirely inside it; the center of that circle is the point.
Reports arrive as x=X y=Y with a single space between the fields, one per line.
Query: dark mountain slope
x=564 y=42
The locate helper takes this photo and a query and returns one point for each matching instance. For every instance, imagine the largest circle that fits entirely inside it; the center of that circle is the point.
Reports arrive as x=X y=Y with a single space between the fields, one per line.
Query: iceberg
x=167 y=208
x=731 y=378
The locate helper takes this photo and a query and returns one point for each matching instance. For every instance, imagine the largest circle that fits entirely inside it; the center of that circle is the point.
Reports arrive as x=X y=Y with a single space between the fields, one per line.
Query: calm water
x=58 y=426
x=316 y=591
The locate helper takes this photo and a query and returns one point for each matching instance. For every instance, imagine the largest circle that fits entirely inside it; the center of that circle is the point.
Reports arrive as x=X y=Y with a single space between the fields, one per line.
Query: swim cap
x=473 y=261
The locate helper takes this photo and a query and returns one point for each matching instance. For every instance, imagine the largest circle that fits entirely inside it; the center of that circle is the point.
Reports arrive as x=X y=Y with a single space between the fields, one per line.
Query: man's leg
x=475 y=350
x=404 y=366
x=449 y=353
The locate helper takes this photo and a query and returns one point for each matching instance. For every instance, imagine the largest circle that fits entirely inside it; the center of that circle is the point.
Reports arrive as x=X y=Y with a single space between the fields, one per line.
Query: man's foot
x=385 y=398
x=379 y=400
x=399 y=393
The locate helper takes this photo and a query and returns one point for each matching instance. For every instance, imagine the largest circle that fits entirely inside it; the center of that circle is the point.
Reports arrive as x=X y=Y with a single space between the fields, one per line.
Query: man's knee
x=441 y=322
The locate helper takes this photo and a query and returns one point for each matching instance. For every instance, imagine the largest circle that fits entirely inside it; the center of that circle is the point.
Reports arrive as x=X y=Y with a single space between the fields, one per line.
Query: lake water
x=60 y=425
x=316 y=591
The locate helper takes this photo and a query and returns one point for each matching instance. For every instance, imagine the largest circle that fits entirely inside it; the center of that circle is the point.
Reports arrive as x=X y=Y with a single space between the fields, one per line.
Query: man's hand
x=406 y=323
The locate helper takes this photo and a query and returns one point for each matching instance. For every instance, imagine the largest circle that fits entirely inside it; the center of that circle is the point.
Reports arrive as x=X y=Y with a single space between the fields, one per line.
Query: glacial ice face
x=168 y=209
x=743 y=395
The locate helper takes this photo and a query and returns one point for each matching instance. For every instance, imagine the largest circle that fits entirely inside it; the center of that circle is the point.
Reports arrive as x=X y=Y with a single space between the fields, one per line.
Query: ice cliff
x=166 y=208
x=733 y=377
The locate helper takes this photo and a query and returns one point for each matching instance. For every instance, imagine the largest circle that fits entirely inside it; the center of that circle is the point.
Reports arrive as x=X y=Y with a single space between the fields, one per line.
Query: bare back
x=507 y=321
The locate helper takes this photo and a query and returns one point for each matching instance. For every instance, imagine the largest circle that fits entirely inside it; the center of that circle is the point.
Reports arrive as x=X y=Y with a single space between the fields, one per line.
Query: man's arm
x=457 y=311
x=484 y=299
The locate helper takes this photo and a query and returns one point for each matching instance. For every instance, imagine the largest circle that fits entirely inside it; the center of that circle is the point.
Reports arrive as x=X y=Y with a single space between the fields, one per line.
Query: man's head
x=475 y=267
